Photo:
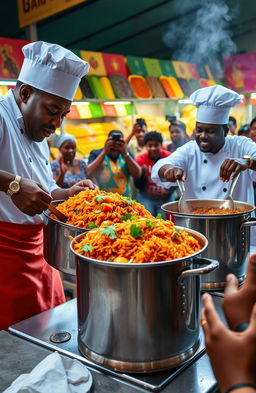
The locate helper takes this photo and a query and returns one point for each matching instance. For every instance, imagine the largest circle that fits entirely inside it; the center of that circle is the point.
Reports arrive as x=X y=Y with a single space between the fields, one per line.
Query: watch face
x=15 y=187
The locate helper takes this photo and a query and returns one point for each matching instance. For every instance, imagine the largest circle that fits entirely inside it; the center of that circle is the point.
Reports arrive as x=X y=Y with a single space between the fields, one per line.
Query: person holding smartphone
x=113 y=166
x=136 y=146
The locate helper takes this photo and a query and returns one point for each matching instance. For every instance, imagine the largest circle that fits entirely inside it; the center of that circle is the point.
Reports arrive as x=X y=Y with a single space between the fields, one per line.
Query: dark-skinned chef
x=208 y=164
x=47 y=82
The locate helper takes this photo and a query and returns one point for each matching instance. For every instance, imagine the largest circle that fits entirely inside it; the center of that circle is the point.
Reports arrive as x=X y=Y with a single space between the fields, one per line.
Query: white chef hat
x=52 y=68
x=214 y=104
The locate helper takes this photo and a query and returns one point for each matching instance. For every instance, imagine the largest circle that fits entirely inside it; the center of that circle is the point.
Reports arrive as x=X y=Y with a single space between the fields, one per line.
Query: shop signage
x=31 y=11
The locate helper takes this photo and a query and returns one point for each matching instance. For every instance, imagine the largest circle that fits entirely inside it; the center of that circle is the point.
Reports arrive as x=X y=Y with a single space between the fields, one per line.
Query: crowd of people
x=32 y=112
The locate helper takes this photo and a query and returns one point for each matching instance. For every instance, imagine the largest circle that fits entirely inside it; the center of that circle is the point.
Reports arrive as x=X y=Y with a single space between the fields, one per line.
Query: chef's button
x=46 y=162
x=205 y=161
x=30 y=160
x=21 y=130
x=203 y=188
x=225 y=189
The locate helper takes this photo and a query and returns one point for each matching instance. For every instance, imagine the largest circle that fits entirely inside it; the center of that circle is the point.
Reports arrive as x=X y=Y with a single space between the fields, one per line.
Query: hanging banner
x=31 y=11
x=240 y=72
x=115 y=64
x=11 y=58
x=152 y=66
x=96 y=62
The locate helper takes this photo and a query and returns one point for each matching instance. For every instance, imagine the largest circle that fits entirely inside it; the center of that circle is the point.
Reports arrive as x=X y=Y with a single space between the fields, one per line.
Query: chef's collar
x=14 y=108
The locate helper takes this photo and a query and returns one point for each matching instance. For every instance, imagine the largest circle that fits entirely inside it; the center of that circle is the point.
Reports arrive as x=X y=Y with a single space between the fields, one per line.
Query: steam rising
x=204 y=38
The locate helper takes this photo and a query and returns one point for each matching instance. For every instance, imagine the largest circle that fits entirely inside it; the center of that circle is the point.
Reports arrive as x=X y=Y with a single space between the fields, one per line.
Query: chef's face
x=210 y=137
x=42 y=112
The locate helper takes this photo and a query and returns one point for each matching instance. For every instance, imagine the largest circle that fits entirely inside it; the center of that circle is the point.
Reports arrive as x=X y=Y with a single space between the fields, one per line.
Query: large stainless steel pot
x=57 y=242
x=228 y=237
x=140 y=317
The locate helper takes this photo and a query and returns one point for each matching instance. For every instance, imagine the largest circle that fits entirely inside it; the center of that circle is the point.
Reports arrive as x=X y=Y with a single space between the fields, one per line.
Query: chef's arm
x=5 y=180
x=170 y=173
x=28 y=196
x=231 y=167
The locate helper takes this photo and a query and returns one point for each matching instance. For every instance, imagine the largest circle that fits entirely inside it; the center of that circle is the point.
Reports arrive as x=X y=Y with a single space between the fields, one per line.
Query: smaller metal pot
x=228 y=237
x=57 y=242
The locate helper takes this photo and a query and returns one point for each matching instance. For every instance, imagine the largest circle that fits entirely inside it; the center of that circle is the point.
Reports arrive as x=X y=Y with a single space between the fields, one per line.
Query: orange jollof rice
x=138 y=241
x=92 y=207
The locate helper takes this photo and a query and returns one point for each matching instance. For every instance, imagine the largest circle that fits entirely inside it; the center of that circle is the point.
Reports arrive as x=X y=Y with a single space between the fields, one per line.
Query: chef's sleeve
x=177 y=159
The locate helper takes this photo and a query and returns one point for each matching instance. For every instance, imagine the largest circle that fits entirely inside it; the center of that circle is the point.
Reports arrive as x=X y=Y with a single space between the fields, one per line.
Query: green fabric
x=114 y=181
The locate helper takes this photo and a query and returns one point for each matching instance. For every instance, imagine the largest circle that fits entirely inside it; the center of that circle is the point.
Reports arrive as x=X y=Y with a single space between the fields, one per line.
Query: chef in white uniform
x=208 y=164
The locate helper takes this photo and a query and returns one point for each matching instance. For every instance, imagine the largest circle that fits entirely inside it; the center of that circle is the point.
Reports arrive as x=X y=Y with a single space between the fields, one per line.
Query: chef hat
x=52 y=68
x=63 y=138
x=214 y=103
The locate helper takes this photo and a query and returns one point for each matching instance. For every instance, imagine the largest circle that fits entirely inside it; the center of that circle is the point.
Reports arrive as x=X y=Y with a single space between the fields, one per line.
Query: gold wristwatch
x=249 y=160
x=14 y=186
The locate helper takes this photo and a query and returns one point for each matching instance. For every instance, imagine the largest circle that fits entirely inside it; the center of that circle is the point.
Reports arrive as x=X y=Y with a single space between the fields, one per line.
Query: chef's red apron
x=28 y=285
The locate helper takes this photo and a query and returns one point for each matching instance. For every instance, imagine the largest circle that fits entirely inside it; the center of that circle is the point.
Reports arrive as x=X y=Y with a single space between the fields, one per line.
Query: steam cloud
x=204 y=38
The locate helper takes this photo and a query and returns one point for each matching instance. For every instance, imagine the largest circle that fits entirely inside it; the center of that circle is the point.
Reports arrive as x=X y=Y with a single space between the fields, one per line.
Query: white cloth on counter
x=54 y=374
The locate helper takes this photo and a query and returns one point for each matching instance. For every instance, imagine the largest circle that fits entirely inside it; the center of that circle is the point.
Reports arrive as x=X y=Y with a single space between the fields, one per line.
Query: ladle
x=57 y=213
x=182 y=204
x=229 y=202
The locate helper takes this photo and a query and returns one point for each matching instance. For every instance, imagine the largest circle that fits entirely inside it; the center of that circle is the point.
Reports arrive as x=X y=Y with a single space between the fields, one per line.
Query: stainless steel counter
x=196 y=377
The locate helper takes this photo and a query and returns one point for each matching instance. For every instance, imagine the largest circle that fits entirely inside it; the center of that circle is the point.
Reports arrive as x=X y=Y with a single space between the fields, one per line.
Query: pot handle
x=211 y=264
x=248 y=223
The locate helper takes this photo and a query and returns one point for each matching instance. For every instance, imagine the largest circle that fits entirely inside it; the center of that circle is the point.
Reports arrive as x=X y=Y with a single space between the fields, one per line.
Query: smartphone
x=170 y=118
x=140 y=122
x=116 y=137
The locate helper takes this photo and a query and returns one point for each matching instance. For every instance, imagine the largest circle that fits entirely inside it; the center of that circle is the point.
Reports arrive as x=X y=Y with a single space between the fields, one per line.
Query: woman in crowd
x=178 y=135
x=67 y=169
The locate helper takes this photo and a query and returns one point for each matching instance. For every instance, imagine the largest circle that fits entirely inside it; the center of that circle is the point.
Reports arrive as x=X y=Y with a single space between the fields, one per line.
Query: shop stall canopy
x=129 y=27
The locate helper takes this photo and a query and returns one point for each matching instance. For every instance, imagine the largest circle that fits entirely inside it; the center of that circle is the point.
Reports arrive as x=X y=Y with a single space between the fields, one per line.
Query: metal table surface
x=197 y=377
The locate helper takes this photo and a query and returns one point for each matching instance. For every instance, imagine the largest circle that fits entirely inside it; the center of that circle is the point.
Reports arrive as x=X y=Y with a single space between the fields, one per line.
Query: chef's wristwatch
x=14 y=186
x=249 y=160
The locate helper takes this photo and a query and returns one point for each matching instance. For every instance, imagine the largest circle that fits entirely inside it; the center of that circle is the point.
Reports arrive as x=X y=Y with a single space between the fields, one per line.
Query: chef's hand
x=232 y=355
x=231 y=167
x=82 y=185
x=171 y=174
x=238 y=302
x=32 y=198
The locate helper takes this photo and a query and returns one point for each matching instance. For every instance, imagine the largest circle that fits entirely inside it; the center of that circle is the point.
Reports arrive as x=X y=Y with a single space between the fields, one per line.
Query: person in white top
x=31 y=112
x=208 y=163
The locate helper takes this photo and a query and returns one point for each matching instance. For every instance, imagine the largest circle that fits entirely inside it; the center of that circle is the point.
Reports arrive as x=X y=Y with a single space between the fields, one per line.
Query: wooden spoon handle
x=57 y=213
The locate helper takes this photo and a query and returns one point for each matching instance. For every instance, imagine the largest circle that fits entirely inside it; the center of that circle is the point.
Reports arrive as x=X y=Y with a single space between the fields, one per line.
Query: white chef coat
x=21 y=156
x=203 y=170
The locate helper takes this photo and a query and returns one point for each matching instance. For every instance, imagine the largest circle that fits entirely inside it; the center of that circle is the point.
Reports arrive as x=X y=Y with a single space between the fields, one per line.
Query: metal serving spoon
x=229 y=202
x=183 y=206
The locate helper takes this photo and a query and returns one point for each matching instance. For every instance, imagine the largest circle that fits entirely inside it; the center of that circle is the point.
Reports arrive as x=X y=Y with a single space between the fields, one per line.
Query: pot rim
x=209 y=216
x=197 y=234
x=62 y=224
